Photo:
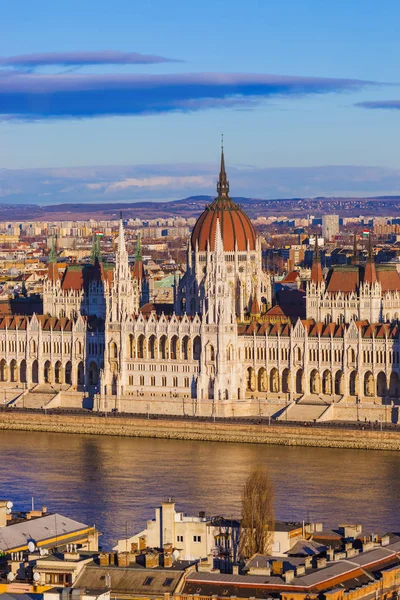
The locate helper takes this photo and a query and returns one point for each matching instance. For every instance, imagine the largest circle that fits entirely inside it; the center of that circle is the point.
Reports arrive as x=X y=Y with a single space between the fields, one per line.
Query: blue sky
x=294 y=86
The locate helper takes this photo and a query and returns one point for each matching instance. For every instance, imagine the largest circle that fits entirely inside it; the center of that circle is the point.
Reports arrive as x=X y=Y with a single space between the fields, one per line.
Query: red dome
x=237 y=230
x=236 y=227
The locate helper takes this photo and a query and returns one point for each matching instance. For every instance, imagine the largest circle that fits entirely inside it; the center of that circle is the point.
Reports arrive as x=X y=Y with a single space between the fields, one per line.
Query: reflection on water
x=116 y=482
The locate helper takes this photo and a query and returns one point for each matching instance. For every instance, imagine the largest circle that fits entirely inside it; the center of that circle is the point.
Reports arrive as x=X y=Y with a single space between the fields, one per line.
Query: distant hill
x=194 y=205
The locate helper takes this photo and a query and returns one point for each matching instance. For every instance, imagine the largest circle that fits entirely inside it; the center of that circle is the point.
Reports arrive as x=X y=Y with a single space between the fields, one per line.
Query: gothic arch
x=3 y=370
x=131 y=346
x=152 y=346
x=262 y=380
x=174 y=348
x=186 y=348
x=113 y=350
x=274 y=380
x=93 y=374
x=81 y=374
x=339 y=379
x=300 y=382
x=381 y=387
x=22 y=371
x=369 y=384
x=327 y=383
x=394 y=385
x=251 y=380
x=68 y=373
x=48 y=372
x=163 y=348
x=58 y=372
x=353 y=387
x=13 y=370
x=140 y=346
x=286 y=381
x=196 y=348
x=35 y=371
x=315 y=382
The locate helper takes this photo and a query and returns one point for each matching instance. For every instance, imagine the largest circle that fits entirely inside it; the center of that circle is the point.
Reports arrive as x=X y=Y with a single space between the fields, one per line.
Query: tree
x=257 y=526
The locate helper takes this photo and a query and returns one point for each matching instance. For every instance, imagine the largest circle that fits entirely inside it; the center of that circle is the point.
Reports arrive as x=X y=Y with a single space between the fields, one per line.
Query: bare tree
x=257 y=526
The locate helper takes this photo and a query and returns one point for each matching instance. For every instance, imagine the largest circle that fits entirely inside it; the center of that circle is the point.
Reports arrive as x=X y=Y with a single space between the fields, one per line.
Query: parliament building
x=226 y=349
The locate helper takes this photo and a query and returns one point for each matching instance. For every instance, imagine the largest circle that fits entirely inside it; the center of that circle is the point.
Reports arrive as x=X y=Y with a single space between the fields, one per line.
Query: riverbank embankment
x=253 y=433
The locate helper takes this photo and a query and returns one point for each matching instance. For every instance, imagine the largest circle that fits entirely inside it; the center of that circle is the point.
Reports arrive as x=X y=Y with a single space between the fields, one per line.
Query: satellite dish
x=10 y=577
x=36 y=577
x=31 y=546
x=175 y=554
x=9 y=505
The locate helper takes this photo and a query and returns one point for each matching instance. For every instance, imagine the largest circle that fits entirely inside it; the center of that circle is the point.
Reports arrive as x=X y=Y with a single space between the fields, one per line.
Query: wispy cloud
x=380 y=104
x=173 y=181
x=80 y=59
x=38 y=96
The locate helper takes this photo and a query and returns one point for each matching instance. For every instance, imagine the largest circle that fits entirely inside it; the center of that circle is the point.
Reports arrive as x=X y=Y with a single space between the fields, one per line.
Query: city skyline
x=306 y=96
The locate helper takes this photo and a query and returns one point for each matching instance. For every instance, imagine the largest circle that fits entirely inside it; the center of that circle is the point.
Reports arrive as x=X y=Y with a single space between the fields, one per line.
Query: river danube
x=116 y=482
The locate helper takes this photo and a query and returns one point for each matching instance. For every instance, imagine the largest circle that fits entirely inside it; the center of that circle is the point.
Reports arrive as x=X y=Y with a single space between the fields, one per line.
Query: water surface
x=116 y=482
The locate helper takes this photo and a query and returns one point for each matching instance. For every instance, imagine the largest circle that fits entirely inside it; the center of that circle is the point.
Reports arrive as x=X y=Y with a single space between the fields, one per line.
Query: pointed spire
x=138 y=255
x=53 y=251
x=95 y=255
x=218 y=244
x=355 y=251
x=138 y=269
x=316 y=269
x=370 y=271
x=52 y=272
x=223 y=183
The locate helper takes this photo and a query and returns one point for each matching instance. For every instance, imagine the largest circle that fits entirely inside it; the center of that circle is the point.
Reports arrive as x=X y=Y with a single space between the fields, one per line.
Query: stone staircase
x=305 y=413
x=38 y=397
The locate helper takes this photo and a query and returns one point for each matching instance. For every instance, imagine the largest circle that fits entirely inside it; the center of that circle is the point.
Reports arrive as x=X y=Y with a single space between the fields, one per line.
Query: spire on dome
x=223 y=183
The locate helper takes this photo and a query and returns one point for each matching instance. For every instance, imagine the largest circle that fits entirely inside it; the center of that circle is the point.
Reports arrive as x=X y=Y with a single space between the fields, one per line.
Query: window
x=197 y=538
x=167 y=582
x=179 y=538
x=148 y=581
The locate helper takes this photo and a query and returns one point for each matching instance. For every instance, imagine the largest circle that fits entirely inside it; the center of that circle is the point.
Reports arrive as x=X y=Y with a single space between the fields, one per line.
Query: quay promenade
x=373 y=436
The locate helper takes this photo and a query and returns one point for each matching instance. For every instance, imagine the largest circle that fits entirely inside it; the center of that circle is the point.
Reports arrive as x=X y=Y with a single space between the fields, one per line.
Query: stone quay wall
x=326 y=437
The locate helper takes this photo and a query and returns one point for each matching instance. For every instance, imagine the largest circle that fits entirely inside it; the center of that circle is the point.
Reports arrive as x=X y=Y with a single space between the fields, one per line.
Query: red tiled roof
x=291 y=277
x=370 y=272
x=389 y=278
x=78 y=277
x=344 y=280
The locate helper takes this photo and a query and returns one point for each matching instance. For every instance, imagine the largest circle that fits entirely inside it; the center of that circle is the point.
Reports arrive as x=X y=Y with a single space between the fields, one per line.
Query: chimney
x=289 y=576
x=168 y=560
x=123 y=559
x=321 y=563
x=385 y=540
x=277 y=567
x=142 y=542
x=300 y=570
x=308 y=562
x=330 y=553
x=152 y=560
x=104 y=558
